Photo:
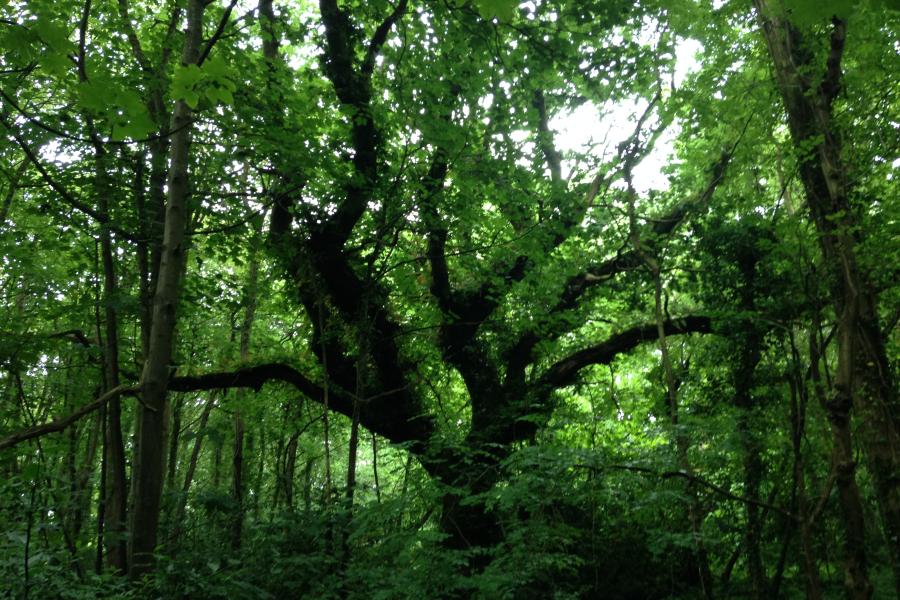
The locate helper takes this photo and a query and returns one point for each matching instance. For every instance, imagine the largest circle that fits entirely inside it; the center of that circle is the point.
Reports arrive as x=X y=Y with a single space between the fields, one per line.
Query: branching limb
x=220 y=29
x=136 y=49
x=380 y=36
x=831 y=83
x=64 y=193
x=64 y=422
x=564 y=371
x=545 y=138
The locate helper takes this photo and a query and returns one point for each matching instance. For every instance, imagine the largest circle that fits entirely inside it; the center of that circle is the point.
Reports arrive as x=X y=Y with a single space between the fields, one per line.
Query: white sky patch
x=52 y=152
x=607 y=126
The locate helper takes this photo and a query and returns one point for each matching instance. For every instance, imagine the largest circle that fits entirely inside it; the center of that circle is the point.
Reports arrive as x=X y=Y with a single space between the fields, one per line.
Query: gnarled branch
x=564 y=371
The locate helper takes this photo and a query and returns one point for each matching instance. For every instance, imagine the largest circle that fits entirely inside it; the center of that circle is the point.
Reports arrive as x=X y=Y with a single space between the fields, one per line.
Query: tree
x=381 y=193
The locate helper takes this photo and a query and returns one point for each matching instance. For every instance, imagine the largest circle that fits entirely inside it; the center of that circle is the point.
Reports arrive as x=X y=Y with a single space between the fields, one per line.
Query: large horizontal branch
x=563 y=372
x=62 y=423
x=386 y=414
x=255 y=378
x=381 y=414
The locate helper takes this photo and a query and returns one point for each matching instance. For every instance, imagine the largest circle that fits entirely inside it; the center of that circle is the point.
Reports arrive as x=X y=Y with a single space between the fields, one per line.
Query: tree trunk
x=117 y=488
x=464 y=516
x=237 y=455
x=150 y=443
x=749 y=355
x=287 y=475
x=260 y=472
x=863 y=376
x=177 y=524
x=799 y=399
x=237 y=482
x=856 y=578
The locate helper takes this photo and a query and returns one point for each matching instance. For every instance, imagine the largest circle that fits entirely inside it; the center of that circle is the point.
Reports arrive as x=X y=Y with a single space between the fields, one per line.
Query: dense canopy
x=451 y=298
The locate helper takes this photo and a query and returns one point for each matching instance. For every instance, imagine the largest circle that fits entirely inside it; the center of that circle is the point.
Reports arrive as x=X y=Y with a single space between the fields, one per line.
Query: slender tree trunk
x=177 y=525
x=237 y=482
x=799 y=399
x=149 y=454
x=695 y=517
x=260 y=472
x=863 y=376
x=749 y=355
x=172 y=462
x=279 y=472
x=375 y=468
x=216 y=459
x=307 y=484
x=353 y=445
x=237 y=456
x=85 y=472
x=117 y=488
x=101 y=498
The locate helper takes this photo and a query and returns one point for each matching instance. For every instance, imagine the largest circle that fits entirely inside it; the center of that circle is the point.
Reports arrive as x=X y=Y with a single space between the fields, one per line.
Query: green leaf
x=55 y=63
x=91 y=97
x=54 y=35
x=184 y=83
x=192 y=99
x=502 y=10
x=811 y=12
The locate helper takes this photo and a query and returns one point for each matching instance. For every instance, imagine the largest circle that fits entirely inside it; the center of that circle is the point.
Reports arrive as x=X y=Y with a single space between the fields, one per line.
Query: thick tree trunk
x=150 y=443
x=856 y=578
x=464 y=516
x=863 y=378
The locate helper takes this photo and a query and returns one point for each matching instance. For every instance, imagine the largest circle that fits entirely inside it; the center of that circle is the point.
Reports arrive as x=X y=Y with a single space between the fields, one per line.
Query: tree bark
x=799 y=400
x=150 y=443
x=863 y=376
x=237 y=455
x=117 y=488
x=237 y=482
x=856 y=577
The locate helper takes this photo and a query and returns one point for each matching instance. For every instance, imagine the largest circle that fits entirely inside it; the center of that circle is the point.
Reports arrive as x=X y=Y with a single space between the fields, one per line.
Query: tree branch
x=68 y=197
x=133 y=40
x=64 y=422
x=664 y=225
x=354 y=91
x=379 y=37
x=220 y=29
x=545 y=138
x=564 y=371
x=831 y=83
